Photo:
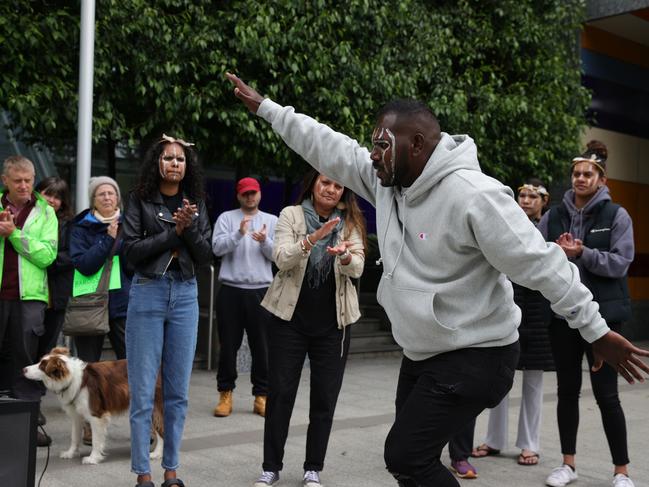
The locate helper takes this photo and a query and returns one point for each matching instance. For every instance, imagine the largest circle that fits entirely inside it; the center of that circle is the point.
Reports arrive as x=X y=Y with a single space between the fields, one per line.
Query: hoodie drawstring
x=403 y=239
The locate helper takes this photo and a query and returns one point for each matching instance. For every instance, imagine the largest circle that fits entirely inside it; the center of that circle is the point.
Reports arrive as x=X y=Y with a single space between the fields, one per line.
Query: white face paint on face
x=172 y=163
x=383 y=155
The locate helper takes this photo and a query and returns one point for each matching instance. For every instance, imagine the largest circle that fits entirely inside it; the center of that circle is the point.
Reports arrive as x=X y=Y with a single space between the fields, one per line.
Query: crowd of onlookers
x=157 y=240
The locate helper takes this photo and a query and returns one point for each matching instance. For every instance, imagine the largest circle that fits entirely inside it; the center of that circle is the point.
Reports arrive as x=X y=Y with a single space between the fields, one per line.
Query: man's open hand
x=245 y=93
x=620 y=354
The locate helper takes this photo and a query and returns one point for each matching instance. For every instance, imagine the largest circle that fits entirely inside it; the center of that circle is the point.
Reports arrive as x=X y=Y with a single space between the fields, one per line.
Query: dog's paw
x=69 y=453
x=92 y=459
x=154 y=455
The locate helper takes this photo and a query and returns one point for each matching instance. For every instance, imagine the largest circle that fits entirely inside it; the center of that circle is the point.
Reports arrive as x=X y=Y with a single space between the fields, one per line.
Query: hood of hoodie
x=453 y=152
x=580 y=217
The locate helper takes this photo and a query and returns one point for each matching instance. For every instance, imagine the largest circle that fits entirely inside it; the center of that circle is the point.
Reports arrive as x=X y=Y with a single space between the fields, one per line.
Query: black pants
x=327 y=355
x=460 y=446
x=21 y=323
x=53 y=325
x=568 y=348
x=238 y=310
x=436 y=400
x=89 y=347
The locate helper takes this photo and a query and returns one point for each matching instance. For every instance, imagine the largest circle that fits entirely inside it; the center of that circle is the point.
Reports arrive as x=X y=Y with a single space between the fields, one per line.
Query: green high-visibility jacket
x=36 y=245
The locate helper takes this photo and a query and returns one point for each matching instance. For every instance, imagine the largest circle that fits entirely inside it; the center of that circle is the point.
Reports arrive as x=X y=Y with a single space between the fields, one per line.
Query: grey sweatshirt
x=447 y=242
x=614 y=263
x=245 y=262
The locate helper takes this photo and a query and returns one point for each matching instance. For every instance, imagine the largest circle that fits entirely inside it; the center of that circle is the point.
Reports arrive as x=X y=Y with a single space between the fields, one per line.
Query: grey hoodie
x=447 y=242
x=614 y=263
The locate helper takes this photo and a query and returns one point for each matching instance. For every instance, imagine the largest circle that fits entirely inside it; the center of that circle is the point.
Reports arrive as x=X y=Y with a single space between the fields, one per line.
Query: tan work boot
x=224 y=407
x=260 y=406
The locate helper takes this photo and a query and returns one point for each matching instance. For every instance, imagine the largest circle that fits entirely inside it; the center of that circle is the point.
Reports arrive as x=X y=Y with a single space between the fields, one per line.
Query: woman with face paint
x=166 y=236
x=318 y=247
x=597 y=236
x=535 y=357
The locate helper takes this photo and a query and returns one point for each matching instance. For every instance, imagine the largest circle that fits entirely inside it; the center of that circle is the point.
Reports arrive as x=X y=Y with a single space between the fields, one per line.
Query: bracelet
x=308 y=240
x=305 y=251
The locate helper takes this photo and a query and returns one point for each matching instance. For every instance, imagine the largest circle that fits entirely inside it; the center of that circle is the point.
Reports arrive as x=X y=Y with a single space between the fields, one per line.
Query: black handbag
x=87 y=314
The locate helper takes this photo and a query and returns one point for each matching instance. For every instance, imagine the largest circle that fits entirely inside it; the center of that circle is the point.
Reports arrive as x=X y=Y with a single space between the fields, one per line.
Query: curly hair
x=148 y=182
x=57 y=187
x=352 y=213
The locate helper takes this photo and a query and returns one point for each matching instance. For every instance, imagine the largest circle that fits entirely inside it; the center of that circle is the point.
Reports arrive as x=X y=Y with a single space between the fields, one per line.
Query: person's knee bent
x=395 y=455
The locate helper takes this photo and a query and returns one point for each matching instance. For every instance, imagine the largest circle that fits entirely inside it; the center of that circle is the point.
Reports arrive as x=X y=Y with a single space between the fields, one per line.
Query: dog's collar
x=60 y=393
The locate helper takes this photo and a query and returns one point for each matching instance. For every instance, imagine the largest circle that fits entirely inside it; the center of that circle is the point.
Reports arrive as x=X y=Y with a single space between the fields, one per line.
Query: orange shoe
x=224 y=407
x=259 y=407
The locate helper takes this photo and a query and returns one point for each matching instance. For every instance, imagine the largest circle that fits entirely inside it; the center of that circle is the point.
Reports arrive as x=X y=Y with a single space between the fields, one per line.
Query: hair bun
x=599 y=148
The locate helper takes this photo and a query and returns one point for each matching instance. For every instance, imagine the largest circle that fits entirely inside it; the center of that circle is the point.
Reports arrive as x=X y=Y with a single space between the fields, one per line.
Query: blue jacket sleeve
x=87 y=251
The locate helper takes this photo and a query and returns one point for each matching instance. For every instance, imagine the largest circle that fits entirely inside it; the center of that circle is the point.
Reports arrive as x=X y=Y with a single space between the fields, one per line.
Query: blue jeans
x=161 y=329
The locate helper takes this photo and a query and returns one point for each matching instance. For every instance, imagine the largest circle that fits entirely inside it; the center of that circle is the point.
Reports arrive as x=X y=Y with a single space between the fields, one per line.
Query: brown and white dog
x=91 y=392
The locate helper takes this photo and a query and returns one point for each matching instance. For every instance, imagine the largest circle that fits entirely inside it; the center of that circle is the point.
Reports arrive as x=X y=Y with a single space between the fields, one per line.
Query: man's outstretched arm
x=332 y=153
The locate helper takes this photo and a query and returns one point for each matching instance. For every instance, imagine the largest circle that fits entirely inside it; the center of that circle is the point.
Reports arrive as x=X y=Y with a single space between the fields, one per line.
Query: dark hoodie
x=602 y=269
x=614 y=263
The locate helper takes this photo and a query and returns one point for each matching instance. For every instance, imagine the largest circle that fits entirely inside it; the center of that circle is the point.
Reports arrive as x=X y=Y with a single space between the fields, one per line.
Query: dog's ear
x=56 y=368
x=60 y=351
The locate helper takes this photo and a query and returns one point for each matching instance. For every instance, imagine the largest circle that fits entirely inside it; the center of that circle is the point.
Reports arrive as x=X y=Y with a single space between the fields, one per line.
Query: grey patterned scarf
x=320 y=262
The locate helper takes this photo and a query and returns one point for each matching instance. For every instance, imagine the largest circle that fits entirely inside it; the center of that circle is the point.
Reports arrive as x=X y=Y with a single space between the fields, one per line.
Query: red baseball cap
x=247 y=184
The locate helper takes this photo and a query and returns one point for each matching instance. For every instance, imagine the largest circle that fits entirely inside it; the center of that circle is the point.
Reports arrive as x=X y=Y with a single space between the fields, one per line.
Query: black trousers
x=21 y=324
x=89 y=347
x=568 y=348
x=460 y=446
x=238 y=310
x=436 y=400
x=288 y=350
x=53 y=325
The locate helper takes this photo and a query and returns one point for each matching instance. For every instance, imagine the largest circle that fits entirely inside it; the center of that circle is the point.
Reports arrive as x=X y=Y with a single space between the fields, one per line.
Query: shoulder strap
x=108 y=265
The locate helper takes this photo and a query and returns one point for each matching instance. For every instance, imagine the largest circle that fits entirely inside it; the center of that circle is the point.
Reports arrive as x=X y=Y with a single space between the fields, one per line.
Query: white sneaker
x=621 y=480
x=267 y=478
x=561 y=476
x=311 y=479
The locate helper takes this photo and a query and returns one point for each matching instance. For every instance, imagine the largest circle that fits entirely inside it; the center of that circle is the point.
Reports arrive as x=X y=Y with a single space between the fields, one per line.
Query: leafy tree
x=504 y=72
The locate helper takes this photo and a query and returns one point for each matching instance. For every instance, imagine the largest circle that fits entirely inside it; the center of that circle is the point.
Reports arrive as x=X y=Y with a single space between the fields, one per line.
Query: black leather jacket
x=150 y=238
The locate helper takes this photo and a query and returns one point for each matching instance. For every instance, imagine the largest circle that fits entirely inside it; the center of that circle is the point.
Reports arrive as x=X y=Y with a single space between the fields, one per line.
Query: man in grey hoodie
x=449 y=236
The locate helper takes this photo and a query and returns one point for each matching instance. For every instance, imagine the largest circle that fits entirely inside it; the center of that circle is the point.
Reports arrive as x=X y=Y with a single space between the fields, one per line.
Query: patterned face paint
x=383 y=140
x=172 y=162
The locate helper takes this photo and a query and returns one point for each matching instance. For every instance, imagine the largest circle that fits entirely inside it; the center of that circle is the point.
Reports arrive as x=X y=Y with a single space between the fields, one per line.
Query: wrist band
x=305 y=251
x=308 y=240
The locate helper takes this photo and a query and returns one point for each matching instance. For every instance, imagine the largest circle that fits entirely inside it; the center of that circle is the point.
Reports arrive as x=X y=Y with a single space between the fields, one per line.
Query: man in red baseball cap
x=243 y=238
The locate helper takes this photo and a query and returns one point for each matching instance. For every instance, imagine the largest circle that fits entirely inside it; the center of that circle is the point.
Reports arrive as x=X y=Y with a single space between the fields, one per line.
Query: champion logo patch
x=423 y=236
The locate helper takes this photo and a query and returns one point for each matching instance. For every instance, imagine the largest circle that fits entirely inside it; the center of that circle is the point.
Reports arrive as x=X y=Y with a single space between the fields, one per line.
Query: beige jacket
x=283 y=293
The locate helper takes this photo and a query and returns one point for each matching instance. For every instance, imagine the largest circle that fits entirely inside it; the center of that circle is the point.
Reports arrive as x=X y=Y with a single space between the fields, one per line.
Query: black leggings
x=568 y=348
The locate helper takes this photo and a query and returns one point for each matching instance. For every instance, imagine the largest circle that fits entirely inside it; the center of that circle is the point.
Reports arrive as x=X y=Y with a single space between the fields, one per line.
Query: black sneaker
x=43 y=439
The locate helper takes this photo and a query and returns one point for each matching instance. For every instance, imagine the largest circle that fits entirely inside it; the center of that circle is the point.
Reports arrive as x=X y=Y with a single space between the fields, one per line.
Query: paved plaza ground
x=223 y=452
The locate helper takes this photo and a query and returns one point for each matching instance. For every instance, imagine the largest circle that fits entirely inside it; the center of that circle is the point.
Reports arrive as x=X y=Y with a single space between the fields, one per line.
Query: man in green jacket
x=28 y=244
